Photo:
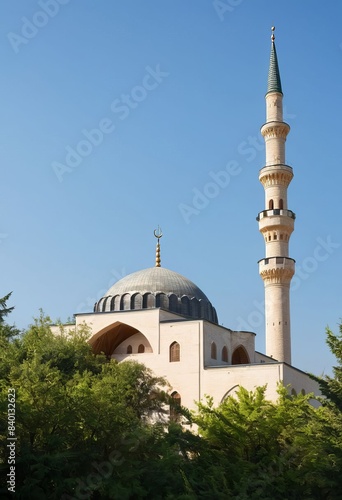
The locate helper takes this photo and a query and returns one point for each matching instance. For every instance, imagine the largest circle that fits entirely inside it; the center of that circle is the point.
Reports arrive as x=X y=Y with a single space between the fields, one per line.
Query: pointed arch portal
x=109 y=338
x=240 y=356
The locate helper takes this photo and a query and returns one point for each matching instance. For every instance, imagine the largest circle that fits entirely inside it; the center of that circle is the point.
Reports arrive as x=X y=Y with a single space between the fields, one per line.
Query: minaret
x=276 y=222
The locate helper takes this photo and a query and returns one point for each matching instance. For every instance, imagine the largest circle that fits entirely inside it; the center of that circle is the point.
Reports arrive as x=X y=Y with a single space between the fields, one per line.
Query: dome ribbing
x=158 y=287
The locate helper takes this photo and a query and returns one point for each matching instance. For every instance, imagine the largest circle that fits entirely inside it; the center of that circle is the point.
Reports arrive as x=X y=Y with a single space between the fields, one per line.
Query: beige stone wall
x=196 y=374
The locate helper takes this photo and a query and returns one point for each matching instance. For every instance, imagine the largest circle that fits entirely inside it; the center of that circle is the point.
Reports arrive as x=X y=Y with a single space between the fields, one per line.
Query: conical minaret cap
x=273 y=82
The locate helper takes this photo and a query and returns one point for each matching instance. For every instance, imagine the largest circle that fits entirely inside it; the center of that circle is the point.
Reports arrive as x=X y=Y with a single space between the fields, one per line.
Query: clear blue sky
x=179 y=89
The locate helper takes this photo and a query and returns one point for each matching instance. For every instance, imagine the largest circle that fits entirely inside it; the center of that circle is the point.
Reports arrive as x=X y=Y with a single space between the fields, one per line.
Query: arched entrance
x=110 y=337
x=240 y=356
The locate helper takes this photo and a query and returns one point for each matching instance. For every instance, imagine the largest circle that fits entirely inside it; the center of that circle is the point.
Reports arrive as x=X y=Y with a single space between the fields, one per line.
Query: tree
x=264 y=450
x=4 y=310
x=90 y=428
x=7 y=332
x=80 y=419
x=331 y=387
x=330 y=423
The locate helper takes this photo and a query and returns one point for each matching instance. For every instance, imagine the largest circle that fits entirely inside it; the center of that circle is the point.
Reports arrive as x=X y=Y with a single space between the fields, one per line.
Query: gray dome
x=157 y=287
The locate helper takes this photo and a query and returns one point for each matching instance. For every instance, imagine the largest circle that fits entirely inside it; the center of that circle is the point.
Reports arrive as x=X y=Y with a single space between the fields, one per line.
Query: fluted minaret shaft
x=276 y=222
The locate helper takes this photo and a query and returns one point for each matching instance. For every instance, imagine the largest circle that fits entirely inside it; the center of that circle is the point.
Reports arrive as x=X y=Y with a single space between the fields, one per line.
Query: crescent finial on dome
x=158 y=234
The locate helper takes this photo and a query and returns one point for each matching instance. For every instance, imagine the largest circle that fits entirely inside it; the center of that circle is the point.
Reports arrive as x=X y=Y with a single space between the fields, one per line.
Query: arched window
x=104 y=304
x=240 y=356
x=141 y=348
x=185 y=305
x=162 y=300
x=115 y=303
x=281 y=204
x=225 y=354
x=194 y=308
x=137 y=301
x=293 y=392
x=149 y=301
x=270 y=205
x=125 y=304
x=129 y=349
x=213 y=351
x=175 y=405
x=173 y=302
x=174 y=352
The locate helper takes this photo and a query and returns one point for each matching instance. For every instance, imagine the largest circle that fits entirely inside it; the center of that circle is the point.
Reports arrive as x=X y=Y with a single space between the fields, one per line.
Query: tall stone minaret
x=276 y=222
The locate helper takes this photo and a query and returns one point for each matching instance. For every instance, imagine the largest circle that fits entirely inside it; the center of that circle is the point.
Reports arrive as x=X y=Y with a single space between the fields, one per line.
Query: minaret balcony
x=276 y=167
x=277 y=267
x=276 y=174
x=275 y=130
x=276 y=211
x=276 y=218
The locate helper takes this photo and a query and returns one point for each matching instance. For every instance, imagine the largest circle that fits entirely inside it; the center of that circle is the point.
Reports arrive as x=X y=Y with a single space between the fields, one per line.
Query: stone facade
x=197 y=373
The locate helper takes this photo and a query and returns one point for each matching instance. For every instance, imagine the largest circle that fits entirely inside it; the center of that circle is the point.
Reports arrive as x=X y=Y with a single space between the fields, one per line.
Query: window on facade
x=270 y=205
x=281 y=204
x=141 y=348
x=225 y=354
x=213 y=351
x=174 y=352
x=129 y=349
x=174 y=406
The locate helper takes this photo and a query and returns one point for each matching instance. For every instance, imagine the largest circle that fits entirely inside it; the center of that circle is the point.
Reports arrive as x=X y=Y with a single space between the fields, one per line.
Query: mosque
x=162 y=319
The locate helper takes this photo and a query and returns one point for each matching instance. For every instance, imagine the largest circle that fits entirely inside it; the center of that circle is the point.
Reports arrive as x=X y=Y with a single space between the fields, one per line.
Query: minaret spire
x=158 y=234
x=273 y=81
x=276 y=222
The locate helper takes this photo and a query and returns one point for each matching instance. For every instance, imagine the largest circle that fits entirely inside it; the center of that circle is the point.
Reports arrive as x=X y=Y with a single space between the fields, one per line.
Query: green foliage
x=74 y=410
x=330 y=416
x=90 y=428
x=331 y=387
x=4 y=310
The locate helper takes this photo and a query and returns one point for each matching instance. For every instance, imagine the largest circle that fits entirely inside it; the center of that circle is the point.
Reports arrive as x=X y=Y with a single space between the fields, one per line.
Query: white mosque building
x=162 y=319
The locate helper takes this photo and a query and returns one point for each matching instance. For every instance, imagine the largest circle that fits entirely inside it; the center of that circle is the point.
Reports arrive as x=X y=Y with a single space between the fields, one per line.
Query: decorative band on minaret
x=276 y=222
